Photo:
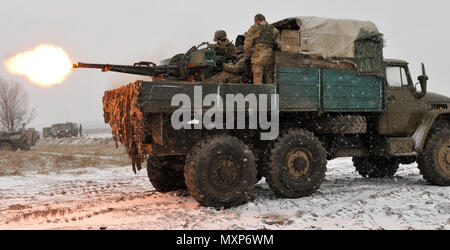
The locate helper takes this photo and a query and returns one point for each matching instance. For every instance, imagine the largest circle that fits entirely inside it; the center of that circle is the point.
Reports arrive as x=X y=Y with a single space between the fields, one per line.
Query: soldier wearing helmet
x=261 y=41
x=223 y=47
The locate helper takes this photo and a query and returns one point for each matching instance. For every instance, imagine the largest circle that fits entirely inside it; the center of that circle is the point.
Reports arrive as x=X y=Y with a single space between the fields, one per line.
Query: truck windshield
x=396 y=76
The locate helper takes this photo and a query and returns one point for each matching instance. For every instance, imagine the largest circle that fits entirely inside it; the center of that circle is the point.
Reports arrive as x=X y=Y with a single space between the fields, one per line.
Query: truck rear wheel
x=166 y=173
x=376 y=167
x=297 y=164
x=434 y=162
x=221 y=172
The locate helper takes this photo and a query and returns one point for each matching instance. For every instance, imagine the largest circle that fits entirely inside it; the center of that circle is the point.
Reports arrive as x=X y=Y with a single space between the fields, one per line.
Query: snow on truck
x=334 y=96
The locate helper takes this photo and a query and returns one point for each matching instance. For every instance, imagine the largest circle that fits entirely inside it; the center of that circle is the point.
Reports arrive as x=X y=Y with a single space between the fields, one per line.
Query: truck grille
x=439 y=106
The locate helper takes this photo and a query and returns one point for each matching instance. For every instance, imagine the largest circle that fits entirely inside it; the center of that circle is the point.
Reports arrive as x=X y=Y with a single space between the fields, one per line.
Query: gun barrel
x=90 y=66
x=147 y=70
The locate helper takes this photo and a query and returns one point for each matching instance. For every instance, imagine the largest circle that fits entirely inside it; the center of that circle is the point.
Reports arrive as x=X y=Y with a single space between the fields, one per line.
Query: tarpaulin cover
x=326 y=37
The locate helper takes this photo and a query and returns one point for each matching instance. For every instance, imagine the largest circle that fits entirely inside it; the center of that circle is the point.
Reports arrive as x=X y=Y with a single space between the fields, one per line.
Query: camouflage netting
x=369 y=52
x=126 y=121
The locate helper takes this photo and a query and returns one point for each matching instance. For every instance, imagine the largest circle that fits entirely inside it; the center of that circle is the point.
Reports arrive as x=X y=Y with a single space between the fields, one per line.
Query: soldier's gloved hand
x=227 y=67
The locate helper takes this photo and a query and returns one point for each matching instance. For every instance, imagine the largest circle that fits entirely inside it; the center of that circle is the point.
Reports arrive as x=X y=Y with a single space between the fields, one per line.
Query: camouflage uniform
x=223 y=47
x=240 y=72
x=242 y=68
x=226 y=49
x=260 y=42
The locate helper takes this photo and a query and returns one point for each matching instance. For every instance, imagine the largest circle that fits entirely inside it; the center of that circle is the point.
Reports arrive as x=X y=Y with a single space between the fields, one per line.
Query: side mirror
x=423 y=80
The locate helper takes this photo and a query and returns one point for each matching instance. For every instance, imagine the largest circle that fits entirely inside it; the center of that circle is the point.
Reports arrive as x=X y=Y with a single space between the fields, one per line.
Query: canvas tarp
x=326 y=37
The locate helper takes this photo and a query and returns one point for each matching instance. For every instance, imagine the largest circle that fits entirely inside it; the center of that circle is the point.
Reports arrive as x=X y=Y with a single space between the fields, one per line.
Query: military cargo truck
x=62 y=130
x=335 y=96
x=24 y=140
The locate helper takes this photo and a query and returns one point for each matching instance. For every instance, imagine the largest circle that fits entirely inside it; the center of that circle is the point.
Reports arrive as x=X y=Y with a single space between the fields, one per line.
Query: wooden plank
x=304 y=71
x=297 y=76
x=298 y=88
x=298 y=79
x=351 y=92
x=298 y=91
x=245 y=90
x=352 y=104
x=299 y=104
x=157 y=97
x=347 y=91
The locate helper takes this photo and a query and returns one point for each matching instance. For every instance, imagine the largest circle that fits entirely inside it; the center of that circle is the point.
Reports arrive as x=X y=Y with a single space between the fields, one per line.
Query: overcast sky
x=123 y=32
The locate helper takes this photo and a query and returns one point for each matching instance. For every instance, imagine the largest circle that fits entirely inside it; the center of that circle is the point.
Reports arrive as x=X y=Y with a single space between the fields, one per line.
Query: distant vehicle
x=24 y=140
x=62 y=130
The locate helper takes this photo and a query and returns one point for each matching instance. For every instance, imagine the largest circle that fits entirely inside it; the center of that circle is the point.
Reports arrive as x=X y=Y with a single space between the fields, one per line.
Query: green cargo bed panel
x=157 y=97
x=353 y=105
x=345 y=90
x=298 y=88
x=350 y=92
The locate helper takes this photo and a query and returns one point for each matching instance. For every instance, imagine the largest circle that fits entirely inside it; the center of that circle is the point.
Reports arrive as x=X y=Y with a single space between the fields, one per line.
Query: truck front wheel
x=376 y=167
x=221 y=172
x=297 y=164
x=166 y=173
x=434 y=162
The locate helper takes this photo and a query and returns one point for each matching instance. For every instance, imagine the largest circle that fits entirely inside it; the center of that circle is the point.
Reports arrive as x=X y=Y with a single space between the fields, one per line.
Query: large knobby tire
x=297 y=164
x=166 y=173
x=376 y=167
x=434 y=162
x=221 y=172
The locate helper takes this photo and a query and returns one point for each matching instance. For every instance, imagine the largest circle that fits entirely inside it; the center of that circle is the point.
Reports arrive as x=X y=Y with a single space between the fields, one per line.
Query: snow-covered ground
x=99 y=135
x=116 y=198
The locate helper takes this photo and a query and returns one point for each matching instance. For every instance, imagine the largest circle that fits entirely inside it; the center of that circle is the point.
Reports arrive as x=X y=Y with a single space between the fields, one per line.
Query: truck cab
x=409 y=109
x=403 y=104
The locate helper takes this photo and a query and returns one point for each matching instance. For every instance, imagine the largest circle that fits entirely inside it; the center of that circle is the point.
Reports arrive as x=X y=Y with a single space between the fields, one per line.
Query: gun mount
x=195 y=65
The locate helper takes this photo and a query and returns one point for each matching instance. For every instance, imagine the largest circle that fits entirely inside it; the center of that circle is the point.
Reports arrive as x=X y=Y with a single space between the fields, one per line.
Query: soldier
x=261 y=41
x=239 y=72
x=223 y=46
x=242 y=68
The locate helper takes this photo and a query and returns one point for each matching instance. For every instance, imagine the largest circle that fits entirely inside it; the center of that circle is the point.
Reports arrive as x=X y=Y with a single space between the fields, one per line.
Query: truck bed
x=328 y=90
x=135 y=111
x=299 y=89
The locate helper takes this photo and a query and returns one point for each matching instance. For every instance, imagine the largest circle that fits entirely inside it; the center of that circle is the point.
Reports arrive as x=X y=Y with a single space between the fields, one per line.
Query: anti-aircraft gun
x=193 y=66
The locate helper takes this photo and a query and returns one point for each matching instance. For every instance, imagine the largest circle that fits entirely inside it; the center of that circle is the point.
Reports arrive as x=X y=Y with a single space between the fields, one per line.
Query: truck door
x=400 y=103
